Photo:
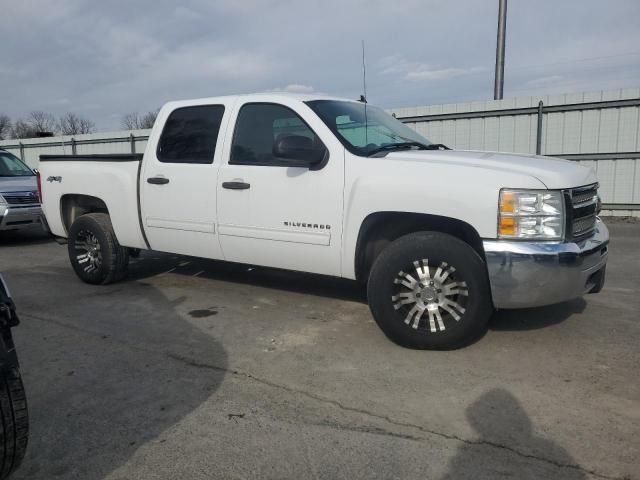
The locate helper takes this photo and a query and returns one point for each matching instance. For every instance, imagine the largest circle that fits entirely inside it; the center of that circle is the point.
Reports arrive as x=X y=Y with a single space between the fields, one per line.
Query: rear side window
x=258 y=126
x=190 y=134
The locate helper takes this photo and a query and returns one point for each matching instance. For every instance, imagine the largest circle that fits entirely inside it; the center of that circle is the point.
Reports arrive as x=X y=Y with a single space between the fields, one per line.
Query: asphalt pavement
x=195 y=369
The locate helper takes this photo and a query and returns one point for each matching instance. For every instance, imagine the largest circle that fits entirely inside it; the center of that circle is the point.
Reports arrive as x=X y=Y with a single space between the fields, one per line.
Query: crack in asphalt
x=364 y=429
x=380 y=431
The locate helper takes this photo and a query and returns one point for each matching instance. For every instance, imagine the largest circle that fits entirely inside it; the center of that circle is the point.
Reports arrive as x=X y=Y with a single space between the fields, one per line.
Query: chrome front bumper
x=13 y=217
x=532 y=274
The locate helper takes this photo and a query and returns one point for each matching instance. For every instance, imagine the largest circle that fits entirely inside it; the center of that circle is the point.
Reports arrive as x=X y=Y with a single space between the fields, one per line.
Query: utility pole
x=502 y=26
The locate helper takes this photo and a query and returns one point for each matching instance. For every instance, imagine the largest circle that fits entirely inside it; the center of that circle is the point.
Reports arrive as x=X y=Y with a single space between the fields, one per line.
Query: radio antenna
x=363 y=97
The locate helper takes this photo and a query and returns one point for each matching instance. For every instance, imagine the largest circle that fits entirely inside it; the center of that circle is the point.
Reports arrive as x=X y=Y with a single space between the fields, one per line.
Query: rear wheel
x=94 y=251
x=430 y=290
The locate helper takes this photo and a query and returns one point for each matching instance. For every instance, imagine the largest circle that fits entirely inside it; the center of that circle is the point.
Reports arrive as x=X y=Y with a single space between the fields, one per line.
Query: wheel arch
x=379 y=229
x=73 y=205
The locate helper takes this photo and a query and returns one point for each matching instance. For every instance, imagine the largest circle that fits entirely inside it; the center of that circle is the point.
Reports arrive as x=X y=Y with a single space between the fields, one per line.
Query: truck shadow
x=507 y=444
x=155 y=263
x=535 y=318
x=107 y=371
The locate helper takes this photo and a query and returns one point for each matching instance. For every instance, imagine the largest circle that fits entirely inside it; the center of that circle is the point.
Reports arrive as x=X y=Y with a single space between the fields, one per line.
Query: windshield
x=347 y=121
x=12 y=166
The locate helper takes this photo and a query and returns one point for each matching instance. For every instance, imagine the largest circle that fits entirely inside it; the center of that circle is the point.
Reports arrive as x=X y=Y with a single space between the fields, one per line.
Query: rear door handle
x=236 y=185
x=157 y=180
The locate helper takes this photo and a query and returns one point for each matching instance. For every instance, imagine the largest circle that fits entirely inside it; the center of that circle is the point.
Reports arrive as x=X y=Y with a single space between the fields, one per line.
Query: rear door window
x=190 y=134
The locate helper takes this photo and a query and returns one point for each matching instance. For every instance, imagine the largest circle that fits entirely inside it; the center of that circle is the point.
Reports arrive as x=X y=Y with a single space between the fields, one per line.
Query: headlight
x=2 y=200
x=531 y=214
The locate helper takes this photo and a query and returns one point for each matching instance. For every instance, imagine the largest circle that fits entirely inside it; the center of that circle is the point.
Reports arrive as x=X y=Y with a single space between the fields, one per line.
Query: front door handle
x=157 y=180
x=236 y=185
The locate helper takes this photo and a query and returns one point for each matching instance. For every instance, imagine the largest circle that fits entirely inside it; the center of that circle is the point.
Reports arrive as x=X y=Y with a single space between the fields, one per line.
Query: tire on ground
x=385 y=291
x=114 y=258
x=14 y=421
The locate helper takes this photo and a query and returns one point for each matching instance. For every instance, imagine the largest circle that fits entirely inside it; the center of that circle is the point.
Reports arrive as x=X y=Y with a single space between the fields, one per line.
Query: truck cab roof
x=258 y=97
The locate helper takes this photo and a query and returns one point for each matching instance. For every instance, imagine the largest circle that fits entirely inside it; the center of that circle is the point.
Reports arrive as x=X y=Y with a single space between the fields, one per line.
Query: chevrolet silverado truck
x=336 y=187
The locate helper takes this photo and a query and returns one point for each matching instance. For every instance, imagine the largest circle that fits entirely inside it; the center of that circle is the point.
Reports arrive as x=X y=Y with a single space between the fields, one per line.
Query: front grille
x=21 y=198
x=583 y=202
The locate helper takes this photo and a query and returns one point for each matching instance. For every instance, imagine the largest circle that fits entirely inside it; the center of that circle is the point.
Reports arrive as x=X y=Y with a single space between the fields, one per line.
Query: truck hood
x=554 y=173
x=18 y=184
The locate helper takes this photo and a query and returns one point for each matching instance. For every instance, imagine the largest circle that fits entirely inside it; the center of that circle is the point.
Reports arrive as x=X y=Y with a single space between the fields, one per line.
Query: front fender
x=462 y=193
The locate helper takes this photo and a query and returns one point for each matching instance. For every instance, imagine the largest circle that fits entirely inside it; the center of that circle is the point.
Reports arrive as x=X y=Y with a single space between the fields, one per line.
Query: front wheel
x=14 y=427
x=94 y=251
x=429 y=290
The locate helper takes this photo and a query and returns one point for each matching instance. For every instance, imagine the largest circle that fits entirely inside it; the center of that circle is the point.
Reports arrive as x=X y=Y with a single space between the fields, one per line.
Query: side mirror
x=299 y=149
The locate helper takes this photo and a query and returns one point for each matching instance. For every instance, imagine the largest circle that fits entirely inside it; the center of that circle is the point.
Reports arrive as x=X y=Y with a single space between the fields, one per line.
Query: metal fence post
x=132 y=140
x=73 y=146
x=539 y=130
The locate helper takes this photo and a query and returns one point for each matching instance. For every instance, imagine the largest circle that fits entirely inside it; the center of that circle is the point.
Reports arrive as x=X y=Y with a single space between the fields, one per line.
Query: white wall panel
x=463 y=131
x=628 y=130
x=589 y=131
x=491 y=134
x=624 y=181
x=522 y=134
x=572 y=127
x=554 y=132
x=506 y=132
x=607 y=130
x=476 y=134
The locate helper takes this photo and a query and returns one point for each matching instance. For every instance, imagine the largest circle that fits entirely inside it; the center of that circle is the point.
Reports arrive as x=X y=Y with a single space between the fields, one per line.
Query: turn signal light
x=507 y=227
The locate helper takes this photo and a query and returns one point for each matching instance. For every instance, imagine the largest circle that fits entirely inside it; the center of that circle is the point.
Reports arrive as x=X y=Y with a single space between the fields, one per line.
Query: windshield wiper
x=398 y=145
x=437 y=146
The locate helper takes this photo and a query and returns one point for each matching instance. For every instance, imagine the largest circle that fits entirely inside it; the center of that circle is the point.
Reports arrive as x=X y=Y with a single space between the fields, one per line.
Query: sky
x=103 y=59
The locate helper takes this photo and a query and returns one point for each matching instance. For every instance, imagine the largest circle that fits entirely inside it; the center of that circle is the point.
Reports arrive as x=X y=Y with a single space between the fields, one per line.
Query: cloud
x=543 y=81
x=112 y=58
x=418 y=71
x=295 y=88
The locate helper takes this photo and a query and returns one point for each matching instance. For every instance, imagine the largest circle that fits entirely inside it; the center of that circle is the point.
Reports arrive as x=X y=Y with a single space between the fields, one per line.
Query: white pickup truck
x=338 y=187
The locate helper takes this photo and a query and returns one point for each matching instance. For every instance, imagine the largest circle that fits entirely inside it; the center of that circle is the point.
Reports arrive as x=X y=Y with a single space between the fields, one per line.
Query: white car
x=338 y=187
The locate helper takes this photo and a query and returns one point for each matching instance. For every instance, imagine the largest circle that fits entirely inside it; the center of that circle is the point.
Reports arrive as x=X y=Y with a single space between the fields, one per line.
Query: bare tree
x=131 y=121
x=22 y=129
x=72 y=124
x=149 y=119
x=5 y=127
x=42 y=121
x=135 y=121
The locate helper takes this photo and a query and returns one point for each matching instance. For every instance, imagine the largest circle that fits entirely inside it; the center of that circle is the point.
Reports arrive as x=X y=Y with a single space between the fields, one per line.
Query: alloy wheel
x=428 y=298
x=87 y=249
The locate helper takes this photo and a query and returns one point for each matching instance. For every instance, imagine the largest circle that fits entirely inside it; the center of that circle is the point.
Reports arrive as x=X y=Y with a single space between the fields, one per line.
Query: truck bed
x=112 y=179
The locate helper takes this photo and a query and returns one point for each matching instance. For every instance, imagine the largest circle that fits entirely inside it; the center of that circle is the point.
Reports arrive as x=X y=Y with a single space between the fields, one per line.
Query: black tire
x=466 y=285
x=14 y=421
x=113 y=259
